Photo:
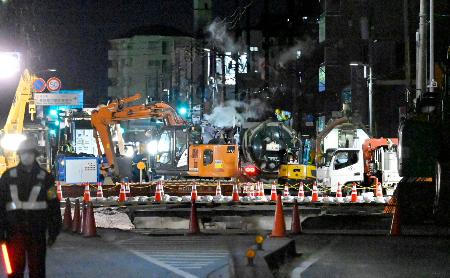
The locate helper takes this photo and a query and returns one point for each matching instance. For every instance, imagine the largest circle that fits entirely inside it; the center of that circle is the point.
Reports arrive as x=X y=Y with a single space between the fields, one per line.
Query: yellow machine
x=294 y=173
x=12 y=132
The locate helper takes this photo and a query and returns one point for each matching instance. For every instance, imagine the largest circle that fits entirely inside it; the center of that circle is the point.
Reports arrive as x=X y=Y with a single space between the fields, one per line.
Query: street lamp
x=370 y=86
x=9 y=64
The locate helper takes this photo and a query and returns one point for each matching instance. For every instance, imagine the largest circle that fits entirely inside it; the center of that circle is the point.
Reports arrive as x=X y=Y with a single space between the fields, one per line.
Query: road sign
x=57 y=99
x=39 y=85
x=53 y=84
x=141 y=165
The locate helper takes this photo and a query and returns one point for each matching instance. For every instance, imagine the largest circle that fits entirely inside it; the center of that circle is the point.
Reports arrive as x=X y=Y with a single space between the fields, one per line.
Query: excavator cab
x=178 y=156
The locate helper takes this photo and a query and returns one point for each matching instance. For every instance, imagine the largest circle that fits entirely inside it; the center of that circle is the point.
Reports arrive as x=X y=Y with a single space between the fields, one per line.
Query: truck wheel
x=441 y=208
x=415 y=199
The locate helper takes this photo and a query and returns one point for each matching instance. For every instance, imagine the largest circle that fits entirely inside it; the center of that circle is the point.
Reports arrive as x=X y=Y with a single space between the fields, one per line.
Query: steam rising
x=305 y=47
x=234 y=113
x=220 y=38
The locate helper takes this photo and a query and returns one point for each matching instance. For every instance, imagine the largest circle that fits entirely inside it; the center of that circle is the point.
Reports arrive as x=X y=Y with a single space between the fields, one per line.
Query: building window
x=164 y=66
x=253 y=48
x=113 y=82
x=164 y=48
x=154 y=46
x=153 y=63
x=129 y=62
x=130 y=45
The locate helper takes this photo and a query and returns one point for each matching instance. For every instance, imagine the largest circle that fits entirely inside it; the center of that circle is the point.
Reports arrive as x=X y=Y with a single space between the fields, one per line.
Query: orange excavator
x=176 y=154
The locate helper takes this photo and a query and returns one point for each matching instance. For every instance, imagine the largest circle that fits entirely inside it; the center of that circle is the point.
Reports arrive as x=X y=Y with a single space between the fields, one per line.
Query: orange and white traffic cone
x=379 y=191
x=261 y=190
x=218 y=190
x=161 y=188
x=256 y=192
x=273 y=192
x=354 y=193
x=279 y=226
x=235 y=193
x=59 y=191
x=158 y=197
x=122 y=194
x=87 y=193
x=127 y=186
x=99 y=190
x=339 y=191
x=286 y=191
x=301 y=192
x=315 y=193
x=339 y=197
x=194 y=193
x=252 y=191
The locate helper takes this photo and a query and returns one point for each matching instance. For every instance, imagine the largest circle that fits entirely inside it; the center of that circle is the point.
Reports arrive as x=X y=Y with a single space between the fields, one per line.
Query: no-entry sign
x=53 y=84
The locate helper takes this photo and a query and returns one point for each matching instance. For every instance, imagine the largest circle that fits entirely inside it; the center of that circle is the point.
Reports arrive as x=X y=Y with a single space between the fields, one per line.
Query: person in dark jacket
x=29 y=210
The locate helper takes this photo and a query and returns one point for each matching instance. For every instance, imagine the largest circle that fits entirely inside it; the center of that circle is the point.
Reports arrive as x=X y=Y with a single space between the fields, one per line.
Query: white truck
x=376 y=159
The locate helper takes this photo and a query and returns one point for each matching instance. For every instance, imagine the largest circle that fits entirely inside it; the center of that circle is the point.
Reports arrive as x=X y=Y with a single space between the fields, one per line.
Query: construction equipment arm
x=116 y=112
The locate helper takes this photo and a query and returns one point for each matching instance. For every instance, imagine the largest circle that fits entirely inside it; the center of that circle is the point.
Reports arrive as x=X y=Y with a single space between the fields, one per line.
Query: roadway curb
x=276 y=251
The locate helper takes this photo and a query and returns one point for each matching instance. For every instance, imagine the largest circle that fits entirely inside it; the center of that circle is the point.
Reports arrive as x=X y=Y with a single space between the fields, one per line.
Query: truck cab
x=346 y=166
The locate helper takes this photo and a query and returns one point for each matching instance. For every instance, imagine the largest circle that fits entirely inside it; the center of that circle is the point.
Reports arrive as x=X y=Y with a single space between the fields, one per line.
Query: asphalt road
x=369 y=256
x=126 y=254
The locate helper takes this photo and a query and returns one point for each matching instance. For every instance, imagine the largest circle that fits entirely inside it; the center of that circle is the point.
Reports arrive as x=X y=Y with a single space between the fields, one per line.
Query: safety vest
x=32 y=203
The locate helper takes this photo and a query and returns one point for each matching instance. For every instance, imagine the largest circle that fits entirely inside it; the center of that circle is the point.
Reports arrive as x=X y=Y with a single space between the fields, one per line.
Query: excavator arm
x=116 y=112
x=14 y=123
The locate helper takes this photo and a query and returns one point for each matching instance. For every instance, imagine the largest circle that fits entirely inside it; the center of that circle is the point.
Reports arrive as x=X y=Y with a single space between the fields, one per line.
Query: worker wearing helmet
x=29 y=210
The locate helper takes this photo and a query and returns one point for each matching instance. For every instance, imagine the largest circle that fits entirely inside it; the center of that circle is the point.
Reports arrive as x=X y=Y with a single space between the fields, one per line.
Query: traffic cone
x=99 y=190
x=279 y=226
x=194 y=192
x=218 y=190
x=194 y=228
x=315 y=193
x=67 y=222
x=261 y=190
x=339 y=191
x=396 y=229
x=235 y=193
x=90 y=230
x=296 y=226
x=83 y=219
x=127 y=186
x=252 y=191
x=354 y=193
x=301 y=192
x=161 y=188
x=76 y=222
x=87 y=193
x=273 y=192
x=286 y=191
x=379 y=190
x=158 y=196
x=59 y=191
x=245 y=190
x=122 y=194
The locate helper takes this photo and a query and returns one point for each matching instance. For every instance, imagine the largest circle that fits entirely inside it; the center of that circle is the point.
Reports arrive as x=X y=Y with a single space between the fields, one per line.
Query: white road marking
x=297 y=272
x=186 y=254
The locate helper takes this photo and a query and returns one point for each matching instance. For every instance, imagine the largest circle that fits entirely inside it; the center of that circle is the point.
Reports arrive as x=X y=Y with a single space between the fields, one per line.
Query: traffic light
x=182 y=110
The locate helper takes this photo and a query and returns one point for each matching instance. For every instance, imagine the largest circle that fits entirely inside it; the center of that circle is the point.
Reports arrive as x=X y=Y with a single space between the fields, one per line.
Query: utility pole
x=406 y=42
x=420 y=71
x=432 y=81
x=370 y=85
